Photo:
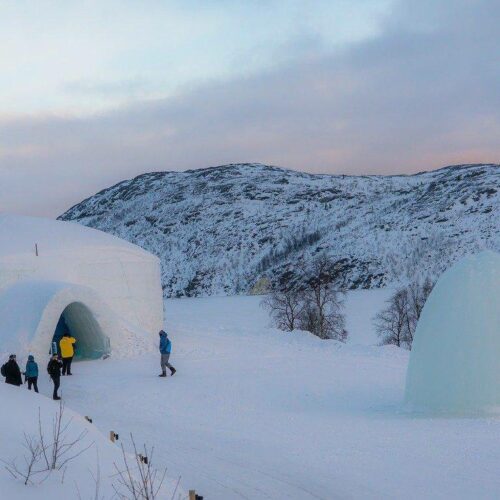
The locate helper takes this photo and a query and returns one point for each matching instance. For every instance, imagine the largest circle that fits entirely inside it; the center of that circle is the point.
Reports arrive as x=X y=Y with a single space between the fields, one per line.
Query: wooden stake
x=112 y=436
x=192 y=495
x=36 y=249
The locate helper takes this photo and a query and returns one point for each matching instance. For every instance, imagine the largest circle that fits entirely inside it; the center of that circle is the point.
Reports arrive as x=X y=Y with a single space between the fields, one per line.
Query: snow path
x=255 y=413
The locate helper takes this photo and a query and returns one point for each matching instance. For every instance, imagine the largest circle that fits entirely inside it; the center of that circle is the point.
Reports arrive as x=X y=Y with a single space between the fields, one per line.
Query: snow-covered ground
x=85 y=470
x=256 y=413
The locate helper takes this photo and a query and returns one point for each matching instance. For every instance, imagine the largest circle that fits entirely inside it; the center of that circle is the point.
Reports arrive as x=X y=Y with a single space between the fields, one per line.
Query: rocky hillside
x=221 y=230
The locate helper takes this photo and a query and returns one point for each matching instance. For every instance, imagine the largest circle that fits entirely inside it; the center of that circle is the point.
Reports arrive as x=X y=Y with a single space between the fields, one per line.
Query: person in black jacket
x=54 y=369
x=11 y=371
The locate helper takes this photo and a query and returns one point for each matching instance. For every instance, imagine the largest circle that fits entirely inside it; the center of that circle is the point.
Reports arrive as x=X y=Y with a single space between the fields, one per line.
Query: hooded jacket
x=165 y=344
x=31 y=368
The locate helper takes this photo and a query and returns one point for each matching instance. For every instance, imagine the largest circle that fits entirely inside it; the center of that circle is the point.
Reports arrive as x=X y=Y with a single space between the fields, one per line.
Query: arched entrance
x=78 y=320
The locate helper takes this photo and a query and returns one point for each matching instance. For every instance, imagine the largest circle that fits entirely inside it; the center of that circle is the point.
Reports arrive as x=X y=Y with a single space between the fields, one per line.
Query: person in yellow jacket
x=67 y=352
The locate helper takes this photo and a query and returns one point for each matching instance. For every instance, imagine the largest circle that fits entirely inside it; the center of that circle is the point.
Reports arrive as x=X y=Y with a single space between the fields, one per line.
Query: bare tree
x=417 y=296
x=139 y=480
x=391 y=323
x=397 y=323
x=317 y=306
x=322 y=312
x=285 y=307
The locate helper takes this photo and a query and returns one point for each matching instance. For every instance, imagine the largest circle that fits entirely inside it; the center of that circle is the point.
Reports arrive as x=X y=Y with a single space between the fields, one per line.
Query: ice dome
x=57 y=276
x=455 y=359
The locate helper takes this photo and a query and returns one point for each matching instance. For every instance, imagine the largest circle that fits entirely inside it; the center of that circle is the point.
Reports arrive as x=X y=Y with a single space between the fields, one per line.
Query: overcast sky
x=93 y=92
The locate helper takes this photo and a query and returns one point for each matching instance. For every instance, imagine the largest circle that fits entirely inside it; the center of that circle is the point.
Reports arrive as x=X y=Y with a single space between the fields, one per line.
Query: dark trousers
x=57 y=383
x=32 y=381
x=66 y=367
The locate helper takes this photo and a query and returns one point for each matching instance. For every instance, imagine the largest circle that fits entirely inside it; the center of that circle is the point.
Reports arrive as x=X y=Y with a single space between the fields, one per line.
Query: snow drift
x=101 y=286
x=454 y=363
x=95 y=456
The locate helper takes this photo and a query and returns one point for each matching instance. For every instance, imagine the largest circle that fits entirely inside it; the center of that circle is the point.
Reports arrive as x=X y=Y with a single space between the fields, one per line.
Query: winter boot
x=162 y=374
x=172 y=370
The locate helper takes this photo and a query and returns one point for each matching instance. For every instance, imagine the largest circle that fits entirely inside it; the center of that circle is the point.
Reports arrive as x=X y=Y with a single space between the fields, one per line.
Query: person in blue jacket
x=31 y=373
x=165 y=350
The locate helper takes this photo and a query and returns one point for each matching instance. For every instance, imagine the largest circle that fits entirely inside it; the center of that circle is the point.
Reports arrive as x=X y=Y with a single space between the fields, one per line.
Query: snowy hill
x=219 y=230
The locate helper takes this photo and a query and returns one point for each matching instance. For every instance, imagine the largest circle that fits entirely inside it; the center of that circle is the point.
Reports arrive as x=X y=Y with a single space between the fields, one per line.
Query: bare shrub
x=45 y=454
x=31 y=466
x=139 y=480
x=61 y=448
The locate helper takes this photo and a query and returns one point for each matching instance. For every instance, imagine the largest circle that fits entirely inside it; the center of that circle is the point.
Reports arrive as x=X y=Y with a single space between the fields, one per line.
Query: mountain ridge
x=221 y=230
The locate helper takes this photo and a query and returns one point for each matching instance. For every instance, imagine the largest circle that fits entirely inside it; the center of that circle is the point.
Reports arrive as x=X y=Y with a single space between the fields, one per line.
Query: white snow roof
x=18 y=235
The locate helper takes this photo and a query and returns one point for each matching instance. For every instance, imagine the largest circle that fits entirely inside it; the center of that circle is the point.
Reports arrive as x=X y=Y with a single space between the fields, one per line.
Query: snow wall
x=455 y=359
x=101 y=283
x=30 y=311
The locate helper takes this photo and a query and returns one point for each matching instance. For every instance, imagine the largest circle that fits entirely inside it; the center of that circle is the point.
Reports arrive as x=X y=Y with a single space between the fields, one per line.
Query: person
x=67 y=352
x=54 y=370
x=165 y=350
x=11 y=372
x=31 y=373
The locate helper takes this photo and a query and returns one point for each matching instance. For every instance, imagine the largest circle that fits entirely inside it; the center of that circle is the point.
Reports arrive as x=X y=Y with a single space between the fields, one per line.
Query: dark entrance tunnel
x=78 y=320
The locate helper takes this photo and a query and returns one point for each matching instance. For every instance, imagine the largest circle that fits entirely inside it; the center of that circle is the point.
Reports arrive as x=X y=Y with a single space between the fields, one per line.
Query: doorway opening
x=79 y=321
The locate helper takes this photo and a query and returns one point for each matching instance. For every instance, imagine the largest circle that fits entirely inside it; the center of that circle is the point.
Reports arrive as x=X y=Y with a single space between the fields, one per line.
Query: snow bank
x=20 y=416
x=454 y=364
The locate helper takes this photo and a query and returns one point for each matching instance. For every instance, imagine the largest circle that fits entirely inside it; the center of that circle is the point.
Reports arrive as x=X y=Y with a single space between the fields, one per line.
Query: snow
x=20 y=415
x=117 y=283
x=360 y=307
x=219 y=230
x=257 y=413
x=454 y=364
x=19 y=234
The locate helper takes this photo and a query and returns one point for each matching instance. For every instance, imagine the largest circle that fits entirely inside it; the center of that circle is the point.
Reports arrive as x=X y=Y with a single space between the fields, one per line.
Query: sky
x=94 y=92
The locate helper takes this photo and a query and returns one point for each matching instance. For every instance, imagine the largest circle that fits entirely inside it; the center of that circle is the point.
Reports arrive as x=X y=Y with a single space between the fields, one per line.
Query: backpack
x=3 y=371
x=50 y=368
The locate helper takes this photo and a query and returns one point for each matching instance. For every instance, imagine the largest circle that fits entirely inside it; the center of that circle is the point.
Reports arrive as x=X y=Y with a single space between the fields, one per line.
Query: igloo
x=455 y=359
x=57 y=276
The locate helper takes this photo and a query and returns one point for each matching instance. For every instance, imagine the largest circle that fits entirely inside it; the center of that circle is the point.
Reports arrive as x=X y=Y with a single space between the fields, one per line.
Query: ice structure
x=455 y=359
x=57 y=276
